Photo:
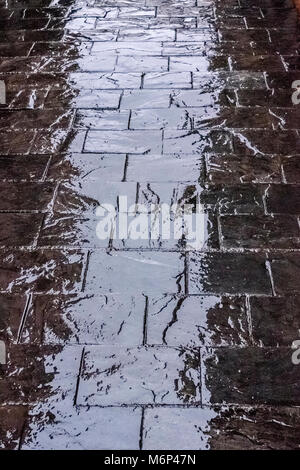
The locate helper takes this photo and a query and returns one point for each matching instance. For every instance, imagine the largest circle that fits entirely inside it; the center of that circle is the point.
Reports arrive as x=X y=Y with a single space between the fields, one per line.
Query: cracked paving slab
x=149 y=343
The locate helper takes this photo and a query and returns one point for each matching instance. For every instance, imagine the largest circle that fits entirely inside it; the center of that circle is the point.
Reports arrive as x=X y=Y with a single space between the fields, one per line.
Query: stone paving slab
x=107 y=375
x=221 y=428
x=87 y=429
x=153 y=343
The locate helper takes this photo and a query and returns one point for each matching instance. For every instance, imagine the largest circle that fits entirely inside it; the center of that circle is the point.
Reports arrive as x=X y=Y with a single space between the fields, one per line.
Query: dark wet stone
x=254 y=429
x=197 y=320
x=229 y=118
x=259 y=232
x=70 y=231
x=287 y=118
x=279 y=20
x=291 y=62
x=34 y=23
x=86 y=167
x=164 y=168
x=12 y=423
x=15 y=50
x=235 y=35
x=196 y=142
x=216 y=273
x=250 y=375
x=275 y=320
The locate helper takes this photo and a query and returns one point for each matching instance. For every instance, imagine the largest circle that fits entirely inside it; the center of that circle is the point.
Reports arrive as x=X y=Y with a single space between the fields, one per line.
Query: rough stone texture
x=151 y=344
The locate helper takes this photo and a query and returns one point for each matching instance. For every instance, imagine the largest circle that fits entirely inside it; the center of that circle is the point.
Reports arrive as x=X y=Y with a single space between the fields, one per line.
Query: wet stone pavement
x=146 y=344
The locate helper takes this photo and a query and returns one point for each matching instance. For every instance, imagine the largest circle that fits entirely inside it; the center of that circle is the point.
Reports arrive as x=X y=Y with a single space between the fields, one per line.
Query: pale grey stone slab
x=144 y=375
x=102 y=119
x=133 y=271
x=141 y=34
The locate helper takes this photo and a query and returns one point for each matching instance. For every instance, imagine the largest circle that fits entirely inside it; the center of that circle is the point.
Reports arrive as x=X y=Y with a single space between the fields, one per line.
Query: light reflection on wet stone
x=128 y=344
x=108 y=375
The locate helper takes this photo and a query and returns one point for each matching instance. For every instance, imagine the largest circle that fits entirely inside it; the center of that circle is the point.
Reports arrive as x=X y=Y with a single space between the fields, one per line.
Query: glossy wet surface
x=128 y=344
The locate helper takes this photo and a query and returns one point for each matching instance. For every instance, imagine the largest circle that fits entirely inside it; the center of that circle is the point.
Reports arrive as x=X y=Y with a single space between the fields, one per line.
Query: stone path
x=128 y=344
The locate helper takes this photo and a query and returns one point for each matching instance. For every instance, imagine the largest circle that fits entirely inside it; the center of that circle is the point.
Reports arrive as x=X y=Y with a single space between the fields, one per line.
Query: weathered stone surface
x=124 y=142
x=85 y=319
x=102 y=338
x=135 y=271
x=197 y=320
x=85 y=429
x=250 y=375
x=19 y=229
x=275 y=320
x=259 y=232
x=230 y=273
x=123 y=377
x=41 y=271
x=12 y=309
x=12 y=422
x=219 y=428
